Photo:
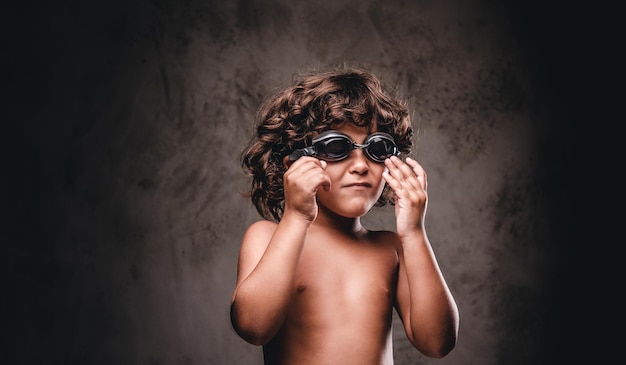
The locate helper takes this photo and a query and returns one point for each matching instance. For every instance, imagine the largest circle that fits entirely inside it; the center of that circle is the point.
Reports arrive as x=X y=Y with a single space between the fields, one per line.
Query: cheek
x=381 y=187
x=377 y=173
x=333 y=174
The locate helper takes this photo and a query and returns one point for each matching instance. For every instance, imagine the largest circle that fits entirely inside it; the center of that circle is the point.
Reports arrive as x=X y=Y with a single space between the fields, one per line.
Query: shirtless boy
x=313 y=285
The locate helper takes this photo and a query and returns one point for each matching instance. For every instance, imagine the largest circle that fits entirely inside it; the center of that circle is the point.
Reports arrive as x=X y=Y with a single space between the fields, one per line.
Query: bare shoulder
x=258 y=234
x=262 y=227
x=253 y=245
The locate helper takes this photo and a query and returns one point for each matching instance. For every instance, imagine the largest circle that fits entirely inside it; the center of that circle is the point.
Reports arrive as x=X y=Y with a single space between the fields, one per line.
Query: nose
x=358 y=162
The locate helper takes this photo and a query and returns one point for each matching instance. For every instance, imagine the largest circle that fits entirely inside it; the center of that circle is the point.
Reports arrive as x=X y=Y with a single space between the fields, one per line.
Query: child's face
x=356 y=181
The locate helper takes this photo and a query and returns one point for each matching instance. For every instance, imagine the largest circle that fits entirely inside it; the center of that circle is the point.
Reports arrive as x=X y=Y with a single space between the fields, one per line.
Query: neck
x=329 y=220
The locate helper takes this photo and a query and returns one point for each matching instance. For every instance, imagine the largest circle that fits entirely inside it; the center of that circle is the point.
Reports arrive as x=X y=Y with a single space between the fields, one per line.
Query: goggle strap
x=307 y=151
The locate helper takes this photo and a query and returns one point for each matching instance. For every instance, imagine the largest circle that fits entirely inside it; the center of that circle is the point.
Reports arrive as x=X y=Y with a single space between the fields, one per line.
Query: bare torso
x=342 y=304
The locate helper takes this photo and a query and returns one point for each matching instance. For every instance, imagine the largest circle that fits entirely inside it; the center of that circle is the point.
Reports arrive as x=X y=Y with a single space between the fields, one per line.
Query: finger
x=308 y=173
x=393 y=176
x=398 y=182
x=404 y=194
x=391 y=181
x=403 y=173
x=419 y=172
x=326 y=180
x=315 y=174
x=306 y=163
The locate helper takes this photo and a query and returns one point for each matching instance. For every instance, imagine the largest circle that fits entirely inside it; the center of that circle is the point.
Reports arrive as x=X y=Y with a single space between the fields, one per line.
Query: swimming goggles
x=336 y=146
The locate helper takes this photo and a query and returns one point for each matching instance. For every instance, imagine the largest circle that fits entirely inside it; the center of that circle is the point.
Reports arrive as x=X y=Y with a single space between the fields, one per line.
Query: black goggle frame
x=377 y=147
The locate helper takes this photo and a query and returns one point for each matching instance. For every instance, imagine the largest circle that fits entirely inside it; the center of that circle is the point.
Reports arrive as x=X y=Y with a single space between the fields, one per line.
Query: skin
x=319 y=288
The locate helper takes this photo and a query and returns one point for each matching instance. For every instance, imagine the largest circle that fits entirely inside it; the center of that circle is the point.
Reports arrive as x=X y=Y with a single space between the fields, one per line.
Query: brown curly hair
x=317 y=101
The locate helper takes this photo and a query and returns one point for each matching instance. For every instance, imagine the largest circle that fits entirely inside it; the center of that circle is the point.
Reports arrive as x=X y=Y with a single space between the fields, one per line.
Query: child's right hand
x=301 y=181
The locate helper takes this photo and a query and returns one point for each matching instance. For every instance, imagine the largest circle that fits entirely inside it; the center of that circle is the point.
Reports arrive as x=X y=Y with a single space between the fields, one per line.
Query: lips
x=362 y=185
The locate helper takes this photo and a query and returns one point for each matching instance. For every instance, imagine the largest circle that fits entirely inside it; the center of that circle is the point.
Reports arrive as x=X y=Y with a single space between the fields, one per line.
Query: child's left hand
x=408 y=182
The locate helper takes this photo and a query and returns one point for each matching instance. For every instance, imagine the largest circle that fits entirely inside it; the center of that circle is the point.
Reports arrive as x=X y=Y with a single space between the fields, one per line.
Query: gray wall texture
x=123 y=212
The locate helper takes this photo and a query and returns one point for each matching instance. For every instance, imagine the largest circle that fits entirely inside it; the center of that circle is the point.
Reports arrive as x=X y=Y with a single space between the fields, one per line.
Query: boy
x=313 y=285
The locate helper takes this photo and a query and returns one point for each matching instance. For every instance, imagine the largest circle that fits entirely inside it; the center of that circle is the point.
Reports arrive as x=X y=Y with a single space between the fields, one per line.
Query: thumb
x=325 y=184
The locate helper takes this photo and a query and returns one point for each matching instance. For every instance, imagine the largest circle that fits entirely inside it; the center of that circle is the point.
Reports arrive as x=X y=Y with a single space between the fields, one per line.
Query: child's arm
x=269 y=256
x=424 y=302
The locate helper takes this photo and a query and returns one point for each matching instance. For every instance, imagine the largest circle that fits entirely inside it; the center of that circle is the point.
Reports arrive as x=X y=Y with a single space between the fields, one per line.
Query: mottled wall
x=125 y=216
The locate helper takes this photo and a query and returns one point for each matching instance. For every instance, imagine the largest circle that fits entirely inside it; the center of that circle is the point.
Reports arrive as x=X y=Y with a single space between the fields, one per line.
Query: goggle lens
x=334 y=149
x=380 y=148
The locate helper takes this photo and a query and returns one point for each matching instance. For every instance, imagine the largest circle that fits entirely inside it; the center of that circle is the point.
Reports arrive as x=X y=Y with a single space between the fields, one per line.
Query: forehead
x=348 y=126
x=355 y=132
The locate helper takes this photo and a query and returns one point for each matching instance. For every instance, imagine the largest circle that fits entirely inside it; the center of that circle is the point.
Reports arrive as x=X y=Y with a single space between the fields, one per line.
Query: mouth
x=359 y=185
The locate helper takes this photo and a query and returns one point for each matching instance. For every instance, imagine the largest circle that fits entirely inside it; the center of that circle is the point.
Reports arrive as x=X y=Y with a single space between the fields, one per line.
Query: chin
x=356 y=212
x=350 y=207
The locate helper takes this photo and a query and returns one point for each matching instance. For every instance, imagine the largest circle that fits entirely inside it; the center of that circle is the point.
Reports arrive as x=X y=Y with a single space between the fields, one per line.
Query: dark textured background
x=121 y=208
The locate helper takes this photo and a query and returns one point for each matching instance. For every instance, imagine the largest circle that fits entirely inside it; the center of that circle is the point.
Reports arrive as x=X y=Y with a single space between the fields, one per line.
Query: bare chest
x=341 y=309
x=346 y=274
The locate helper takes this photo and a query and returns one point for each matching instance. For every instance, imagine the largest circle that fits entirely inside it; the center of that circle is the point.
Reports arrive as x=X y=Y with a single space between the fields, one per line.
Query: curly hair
x=317 y=101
